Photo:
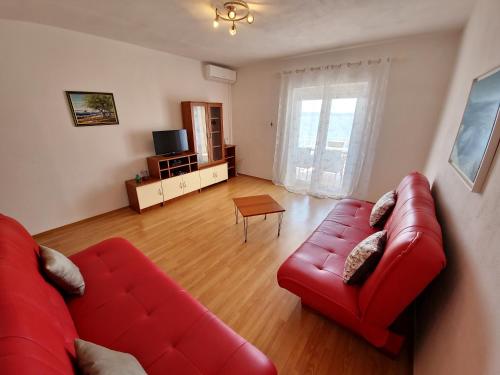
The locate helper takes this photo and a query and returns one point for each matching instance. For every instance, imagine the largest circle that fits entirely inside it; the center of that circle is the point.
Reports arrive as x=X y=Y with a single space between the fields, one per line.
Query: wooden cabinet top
x=150 y=180
x=211 y=164
x=171 y=157
x=201 y=102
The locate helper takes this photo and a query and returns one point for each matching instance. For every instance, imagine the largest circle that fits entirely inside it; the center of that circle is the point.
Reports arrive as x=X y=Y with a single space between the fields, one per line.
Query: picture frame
x=92 y=108
x=479 y=132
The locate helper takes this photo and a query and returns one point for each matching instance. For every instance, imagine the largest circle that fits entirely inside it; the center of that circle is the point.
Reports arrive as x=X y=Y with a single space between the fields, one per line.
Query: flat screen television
x=169 y=142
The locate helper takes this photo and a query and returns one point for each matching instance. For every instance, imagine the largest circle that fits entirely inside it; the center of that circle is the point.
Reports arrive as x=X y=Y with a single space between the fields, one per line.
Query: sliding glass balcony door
x=328 y=124
x=323 y=126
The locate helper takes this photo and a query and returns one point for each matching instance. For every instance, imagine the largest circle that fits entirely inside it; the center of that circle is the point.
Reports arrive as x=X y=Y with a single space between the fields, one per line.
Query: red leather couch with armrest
x=129 y=305
x=412 y=258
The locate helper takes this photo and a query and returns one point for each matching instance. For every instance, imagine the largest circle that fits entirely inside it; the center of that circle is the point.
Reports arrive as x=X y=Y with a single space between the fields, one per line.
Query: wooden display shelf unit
x=230 y=157
x=205 y=165
x=205 y=129
x=162 y=167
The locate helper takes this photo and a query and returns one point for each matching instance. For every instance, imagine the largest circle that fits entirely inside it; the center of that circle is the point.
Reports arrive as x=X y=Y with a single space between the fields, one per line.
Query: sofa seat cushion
x=344 y=227
x=131 y=306
x=315 y=270
x=354 y=214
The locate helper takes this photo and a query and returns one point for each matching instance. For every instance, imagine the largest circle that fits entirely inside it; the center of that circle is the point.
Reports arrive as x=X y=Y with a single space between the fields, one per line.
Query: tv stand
x=171 y=177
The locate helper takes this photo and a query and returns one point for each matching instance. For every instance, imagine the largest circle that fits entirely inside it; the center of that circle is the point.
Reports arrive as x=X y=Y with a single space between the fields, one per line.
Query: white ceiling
x=281 y=28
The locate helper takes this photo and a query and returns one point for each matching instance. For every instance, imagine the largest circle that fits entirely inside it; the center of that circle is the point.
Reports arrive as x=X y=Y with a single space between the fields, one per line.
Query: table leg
x=265 y=216
x=280 y=220
x=236 y=213
x=245 y=227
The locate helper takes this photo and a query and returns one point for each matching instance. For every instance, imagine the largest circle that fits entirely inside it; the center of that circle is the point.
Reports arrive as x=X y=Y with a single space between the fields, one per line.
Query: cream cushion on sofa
x=95 y=359
x=363 y=259
x=382 y=209
x=62 y=271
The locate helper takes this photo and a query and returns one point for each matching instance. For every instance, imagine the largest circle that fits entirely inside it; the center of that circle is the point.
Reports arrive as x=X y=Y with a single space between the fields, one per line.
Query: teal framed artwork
x=479 y=133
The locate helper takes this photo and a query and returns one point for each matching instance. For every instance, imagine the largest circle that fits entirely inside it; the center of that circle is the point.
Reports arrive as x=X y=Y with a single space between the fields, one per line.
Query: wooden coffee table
x=257 y=205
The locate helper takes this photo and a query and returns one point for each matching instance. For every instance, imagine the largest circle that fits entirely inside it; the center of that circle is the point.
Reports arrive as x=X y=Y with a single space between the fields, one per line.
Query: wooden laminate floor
x=195 y=240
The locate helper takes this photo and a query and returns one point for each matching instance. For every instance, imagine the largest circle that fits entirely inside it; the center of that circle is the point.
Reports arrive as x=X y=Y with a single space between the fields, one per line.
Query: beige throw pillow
x=382 y=209
x=62 y=271
x=363 y=259
x=95 y=359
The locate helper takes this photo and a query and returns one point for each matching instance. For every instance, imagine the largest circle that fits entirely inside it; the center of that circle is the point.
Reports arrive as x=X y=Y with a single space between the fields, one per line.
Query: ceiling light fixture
x=233 y=11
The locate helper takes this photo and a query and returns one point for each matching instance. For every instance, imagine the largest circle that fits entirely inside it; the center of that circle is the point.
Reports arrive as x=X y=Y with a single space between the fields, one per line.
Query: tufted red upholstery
x=36 y=330
x=412 y=258
x=129 y=305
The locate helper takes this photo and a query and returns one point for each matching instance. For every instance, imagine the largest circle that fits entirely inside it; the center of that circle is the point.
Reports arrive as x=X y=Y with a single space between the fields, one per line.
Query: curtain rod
x=337 y=66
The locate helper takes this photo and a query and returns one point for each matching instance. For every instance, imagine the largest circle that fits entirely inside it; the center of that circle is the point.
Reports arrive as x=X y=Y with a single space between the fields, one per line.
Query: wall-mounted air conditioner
x=217 y=73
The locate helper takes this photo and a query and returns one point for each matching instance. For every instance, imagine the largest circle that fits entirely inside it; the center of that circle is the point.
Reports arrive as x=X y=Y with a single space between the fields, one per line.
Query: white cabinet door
x=220 y=172
x=191 y=182
x=172 y=187
x=207 y=177
x=212 y=175
x=149 y=195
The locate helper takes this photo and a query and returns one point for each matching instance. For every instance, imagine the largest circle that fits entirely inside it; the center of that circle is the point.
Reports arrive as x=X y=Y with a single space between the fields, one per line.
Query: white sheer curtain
x=328 y=125
x=200 y=128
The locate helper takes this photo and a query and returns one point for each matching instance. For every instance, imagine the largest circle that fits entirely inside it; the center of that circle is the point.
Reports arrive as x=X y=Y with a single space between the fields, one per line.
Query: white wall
x=421 y=69
x=458 y=322
x=54 y=173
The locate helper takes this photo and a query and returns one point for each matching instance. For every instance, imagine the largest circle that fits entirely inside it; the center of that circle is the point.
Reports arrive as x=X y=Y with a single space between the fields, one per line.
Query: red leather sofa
x=129 y=305
x=413 y=257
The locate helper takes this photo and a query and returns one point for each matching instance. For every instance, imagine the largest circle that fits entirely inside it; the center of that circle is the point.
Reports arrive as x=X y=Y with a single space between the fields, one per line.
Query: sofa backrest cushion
x=413 y=255
x=36 y=330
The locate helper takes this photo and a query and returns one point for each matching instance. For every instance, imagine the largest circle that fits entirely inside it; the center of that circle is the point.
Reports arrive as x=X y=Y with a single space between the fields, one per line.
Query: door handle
x=184 y=184
x=159 y=191
x=180 y=185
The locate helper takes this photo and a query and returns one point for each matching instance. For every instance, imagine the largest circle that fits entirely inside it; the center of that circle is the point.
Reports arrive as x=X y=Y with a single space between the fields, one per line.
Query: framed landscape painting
x=92 y=108
x=479 y=131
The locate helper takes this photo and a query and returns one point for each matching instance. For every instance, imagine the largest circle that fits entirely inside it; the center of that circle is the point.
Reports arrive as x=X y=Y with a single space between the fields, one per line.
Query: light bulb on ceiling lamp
x=231 y=14
x=250 y=18
x=232 y=30
x=216 y=20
